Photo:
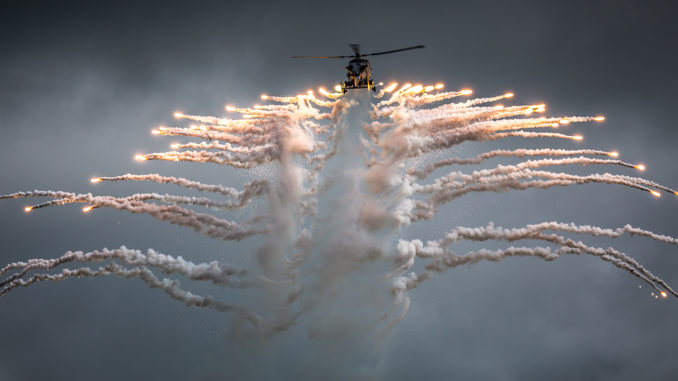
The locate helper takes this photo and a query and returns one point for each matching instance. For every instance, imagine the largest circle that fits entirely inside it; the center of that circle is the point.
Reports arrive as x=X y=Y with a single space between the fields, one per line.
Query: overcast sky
x=82 y=83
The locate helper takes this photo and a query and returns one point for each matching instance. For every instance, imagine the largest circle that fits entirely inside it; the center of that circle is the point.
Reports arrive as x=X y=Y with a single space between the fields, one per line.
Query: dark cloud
x=82 y=83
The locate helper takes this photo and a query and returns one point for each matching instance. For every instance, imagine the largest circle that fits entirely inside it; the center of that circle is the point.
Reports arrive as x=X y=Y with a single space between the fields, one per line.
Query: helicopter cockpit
x=356 y=66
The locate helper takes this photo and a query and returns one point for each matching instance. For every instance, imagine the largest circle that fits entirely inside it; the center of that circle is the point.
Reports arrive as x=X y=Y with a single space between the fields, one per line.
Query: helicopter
x=358 y=69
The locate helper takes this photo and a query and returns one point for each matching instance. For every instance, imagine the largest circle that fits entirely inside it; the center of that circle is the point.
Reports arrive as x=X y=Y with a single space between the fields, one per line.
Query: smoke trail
x=436 y=249
x=223 y=147
x=528 y=134
x=422 y=173
x=214 y=272
x=166 y=198
x=420 y=143
x=346 y=179
x=169 y=286
x=200 y=222
x=222 y=158
x=501 y=179
x=450 y=191
x=186 y=183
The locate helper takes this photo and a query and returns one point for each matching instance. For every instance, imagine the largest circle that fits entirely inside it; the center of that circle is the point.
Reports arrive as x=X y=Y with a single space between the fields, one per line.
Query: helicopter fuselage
x=359 y=74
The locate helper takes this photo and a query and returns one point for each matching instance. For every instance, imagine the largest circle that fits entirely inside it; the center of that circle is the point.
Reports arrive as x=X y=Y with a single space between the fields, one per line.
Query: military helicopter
x=358 y=69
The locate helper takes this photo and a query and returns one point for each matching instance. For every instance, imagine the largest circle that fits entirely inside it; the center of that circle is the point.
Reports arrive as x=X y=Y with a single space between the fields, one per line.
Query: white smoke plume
x=422 y=173
x=186 y=183
x=345 y=183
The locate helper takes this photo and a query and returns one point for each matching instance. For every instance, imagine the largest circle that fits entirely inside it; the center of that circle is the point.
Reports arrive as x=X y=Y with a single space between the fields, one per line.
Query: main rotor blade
x=394 y=51
x=321 y=57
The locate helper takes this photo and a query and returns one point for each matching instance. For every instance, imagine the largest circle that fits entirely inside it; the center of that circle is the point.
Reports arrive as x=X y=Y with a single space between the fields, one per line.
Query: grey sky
x=83 y=83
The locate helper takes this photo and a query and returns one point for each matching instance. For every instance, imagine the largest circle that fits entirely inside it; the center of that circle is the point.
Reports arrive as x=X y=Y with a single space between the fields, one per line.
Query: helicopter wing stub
x=394 y=51
x=321 y=57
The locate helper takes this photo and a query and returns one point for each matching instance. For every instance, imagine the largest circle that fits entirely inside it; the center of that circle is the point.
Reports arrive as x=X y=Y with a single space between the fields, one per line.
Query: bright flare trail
x=348 y=172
